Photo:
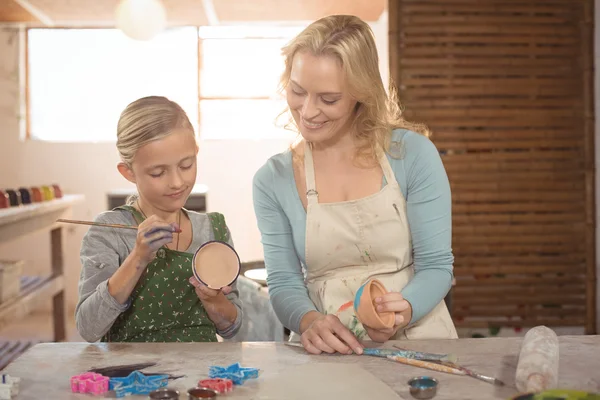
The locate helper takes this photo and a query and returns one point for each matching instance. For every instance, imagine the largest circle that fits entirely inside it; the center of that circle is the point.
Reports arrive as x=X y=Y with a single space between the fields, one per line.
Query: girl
x=138 y=286
x=363 y=195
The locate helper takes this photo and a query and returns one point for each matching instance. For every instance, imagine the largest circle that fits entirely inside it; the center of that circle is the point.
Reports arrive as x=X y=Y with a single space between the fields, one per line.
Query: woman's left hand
x=391 y=302
x=220 y=310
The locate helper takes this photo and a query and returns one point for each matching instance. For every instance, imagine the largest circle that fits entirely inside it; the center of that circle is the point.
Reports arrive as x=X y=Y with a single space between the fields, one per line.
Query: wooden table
x=45 y=369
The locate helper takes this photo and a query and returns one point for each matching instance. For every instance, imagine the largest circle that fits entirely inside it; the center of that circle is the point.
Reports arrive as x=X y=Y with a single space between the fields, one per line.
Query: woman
x=363 y=195
x=137 y=285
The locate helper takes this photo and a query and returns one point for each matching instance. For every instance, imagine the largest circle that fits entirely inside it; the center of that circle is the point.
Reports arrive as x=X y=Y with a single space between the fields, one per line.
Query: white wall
x=226 y=166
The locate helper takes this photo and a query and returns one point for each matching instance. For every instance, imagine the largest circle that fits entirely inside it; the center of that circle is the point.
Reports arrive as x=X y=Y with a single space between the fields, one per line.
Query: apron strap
x=219 y=227
x=312 y=196
x=388 y=172
x=137 y=216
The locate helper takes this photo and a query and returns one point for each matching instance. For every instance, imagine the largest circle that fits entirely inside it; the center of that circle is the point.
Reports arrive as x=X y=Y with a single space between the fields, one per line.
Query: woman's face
x=319 y=98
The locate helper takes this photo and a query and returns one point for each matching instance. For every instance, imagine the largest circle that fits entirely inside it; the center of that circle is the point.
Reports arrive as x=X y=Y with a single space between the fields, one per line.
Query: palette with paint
x=216 y=264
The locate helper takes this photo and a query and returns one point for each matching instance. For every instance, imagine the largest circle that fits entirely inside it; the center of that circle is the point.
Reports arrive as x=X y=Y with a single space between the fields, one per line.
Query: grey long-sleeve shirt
x=103 y=250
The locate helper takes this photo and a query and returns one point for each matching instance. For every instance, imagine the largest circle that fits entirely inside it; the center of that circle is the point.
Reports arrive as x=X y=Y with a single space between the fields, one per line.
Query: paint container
x=423 y=387
x=364 y=306
x=47 y=193
x=199 y=393
x=58 y=194
x=216 y=264
x=4 y=200
x=164 y=394
x=25 y=196
x=14 y=198
x=36 y=195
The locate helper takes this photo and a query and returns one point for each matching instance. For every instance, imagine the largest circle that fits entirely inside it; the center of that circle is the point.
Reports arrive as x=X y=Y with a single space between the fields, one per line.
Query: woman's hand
x=326 y=333
x=220 y=310
x=391 y=302
x=153 y=233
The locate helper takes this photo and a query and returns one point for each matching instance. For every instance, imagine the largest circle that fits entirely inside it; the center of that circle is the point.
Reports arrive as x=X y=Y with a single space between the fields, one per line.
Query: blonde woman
x=137 y=286
x=362 y=195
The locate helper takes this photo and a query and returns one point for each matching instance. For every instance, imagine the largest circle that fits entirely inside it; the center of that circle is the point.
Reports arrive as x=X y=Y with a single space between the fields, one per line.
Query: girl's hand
x=153 y=233
x=395 y=303
x=326 y=333
x=220 y=310
x=207 y=294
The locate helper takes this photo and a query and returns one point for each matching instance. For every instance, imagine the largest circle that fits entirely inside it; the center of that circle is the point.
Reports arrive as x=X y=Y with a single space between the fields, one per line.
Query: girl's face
x=165 y=170
x=319 y=98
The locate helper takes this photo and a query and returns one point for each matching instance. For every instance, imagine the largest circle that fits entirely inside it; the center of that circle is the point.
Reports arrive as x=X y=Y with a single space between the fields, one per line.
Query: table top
x=45 y=369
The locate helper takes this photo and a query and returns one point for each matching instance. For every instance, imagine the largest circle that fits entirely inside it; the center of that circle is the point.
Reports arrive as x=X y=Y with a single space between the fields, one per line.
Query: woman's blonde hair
x=352 y=42
x=145 y=120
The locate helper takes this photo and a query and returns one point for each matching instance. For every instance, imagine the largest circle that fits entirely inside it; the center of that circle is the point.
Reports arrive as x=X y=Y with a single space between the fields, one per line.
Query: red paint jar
x=4 y=201
x=57 y=191
x=36 y=195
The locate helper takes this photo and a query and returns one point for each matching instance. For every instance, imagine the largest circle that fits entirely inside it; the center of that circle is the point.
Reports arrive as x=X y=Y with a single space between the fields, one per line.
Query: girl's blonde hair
x=145 y=120
x=352 y=42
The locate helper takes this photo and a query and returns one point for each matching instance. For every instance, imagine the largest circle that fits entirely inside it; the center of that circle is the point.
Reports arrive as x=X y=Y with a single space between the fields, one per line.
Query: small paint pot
x=199 y=393
x=164 y=394
x=58 y=194
x=216 y=264
x=364 y=306
x=47 y=193
x=14 y=198
x=423 y=387
x=25 y=196
x=36 y=195
x=4 y=200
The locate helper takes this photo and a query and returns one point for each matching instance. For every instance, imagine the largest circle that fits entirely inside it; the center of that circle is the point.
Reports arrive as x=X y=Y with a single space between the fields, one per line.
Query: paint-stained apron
x=350 y=242
x=164 y=305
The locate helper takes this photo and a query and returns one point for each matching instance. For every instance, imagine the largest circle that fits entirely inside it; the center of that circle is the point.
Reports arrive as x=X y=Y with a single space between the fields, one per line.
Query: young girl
x=138 y=286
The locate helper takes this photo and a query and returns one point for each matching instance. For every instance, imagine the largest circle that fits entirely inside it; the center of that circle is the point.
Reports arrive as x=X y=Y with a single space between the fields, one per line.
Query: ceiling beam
x=211 y=13
x=36 y=12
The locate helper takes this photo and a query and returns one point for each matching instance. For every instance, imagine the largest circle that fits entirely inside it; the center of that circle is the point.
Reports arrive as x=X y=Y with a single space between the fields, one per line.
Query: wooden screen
x=506 y=88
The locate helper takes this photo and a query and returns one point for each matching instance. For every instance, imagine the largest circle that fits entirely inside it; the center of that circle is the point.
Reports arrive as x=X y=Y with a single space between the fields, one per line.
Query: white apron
x=350 y=242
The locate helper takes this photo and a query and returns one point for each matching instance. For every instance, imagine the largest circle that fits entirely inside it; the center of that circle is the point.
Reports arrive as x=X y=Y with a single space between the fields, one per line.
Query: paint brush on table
x=414 y=355
x=427 y=365
x=73 y=221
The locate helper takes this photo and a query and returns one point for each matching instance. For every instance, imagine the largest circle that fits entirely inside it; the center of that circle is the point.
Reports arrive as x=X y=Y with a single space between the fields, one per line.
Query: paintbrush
x=473 y=374
x=73 y=221
x=414 y=355
x=428 y=365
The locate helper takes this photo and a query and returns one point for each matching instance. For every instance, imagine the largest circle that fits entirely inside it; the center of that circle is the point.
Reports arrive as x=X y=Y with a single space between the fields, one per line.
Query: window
x=239 y=74
x=79 y=80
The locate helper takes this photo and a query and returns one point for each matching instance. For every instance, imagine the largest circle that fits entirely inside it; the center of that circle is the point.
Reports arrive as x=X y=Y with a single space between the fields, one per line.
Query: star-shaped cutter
x=89 y=382
x=137 y=383
x=235 y=372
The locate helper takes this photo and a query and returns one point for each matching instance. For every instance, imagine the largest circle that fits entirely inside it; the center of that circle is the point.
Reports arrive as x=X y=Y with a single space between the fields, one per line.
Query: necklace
x=178 y=223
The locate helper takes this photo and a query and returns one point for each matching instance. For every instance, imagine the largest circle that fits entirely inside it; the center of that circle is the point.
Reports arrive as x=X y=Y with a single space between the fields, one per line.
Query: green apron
x=164 y=305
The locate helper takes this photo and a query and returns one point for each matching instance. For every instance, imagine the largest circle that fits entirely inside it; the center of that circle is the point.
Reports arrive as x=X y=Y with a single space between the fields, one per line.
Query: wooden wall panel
x=505 y=86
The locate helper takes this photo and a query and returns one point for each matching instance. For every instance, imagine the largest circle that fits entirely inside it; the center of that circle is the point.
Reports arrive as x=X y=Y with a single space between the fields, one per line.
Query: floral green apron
x=164 y=305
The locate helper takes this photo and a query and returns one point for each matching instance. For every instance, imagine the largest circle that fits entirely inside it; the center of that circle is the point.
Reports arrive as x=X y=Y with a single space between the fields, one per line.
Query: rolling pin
x=537 y=368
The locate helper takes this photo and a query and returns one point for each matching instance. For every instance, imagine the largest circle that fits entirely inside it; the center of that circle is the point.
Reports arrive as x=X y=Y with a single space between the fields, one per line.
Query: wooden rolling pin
x=537 y=368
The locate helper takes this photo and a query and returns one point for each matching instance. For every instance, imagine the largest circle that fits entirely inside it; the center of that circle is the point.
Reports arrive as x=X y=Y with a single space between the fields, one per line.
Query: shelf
x=19 y=221
x=35 y=291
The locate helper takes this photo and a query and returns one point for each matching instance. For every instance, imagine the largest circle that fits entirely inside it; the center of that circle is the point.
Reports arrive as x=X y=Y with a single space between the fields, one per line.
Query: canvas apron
x=164 y=305
x=350 y=242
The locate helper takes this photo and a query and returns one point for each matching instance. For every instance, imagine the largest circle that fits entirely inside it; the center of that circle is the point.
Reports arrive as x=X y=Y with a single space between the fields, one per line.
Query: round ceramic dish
x=164 y=394
x=423 y=387
x=365 y=309
x=216 y=264
x=199 y=393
